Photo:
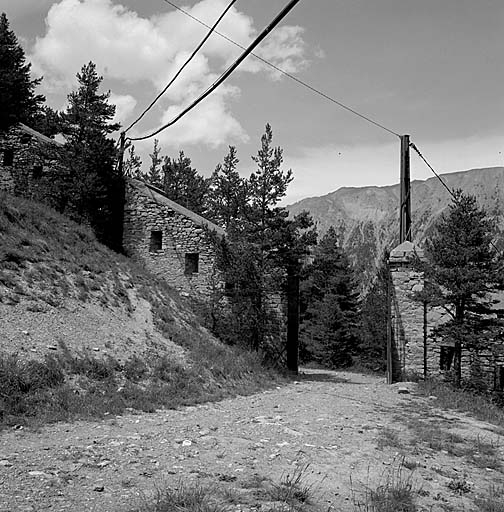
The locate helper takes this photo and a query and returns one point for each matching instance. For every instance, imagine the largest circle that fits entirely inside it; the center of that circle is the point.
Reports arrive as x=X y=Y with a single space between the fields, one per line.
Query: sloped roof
x=38 y=135
x=159 y=197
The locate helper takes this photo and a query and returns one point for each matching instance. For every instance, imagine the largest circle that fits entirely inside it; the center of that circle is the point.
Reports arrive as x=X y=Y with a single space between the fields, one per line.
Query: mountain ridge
x=367 y=218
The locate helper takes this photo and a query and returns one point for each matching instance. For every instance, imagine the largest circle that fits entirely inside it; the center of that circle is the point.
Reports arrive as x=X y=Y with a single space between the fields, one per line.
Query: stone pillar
x=407 y=314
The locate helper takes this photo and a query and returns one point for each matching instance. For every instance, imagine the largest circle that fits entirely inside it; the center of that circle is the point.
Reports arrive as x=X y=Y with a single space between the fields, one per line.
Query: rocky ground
x=344 y=432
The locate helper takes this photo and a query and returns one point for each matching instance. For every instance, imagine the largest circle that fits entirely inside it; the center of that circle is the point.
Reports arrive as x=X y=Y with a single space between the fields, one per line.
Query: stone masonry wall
x=147 y=211
x=481 y=368
x=33 y=163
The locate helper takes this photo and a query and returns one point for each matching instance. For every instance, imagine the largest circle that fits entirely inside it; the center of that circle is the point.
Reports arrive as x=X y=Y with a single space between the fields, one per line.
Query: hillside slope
x=66 y=299
x=368 y=217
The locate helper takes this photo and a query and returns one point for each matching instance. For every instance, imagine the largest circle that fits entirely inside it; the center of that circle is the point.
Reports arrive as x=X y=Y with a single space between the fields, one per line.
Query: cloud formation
x=146 y=52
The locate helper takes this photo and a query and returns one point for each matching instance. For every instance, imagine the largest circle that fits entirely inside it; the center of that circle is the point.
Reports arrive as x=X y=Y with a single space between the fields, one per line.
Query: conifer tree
x=18 y=101
x=227 y=195
x=154 y=175
x=463 y=268
x=183 y=184
x=93 y=188
x=133 y=164
x=330 y=312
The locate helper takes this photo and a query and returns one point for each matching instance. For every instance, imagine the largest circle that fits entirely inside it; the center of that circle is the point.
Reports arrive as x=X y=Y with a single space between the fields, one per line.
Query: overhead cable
x=204 y=40
x=228 y=72
x=292 y=77
x=412 y=146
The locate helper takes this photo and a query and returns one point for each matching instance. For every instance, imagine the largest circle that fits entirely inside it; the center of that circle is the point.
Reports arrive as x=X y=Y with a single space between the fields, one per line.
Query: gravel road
x=327 y=425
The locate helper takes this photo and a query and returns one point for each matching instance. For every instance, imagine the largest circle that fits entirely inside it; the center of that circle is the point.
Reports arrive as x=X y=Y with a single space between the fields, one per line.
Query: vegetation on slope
x=47 y=262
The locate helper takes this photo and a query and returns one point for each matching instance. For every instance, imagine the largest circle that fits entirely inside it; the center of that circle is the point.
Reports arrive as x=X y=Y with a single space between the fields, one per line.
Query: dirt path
x=336 y=427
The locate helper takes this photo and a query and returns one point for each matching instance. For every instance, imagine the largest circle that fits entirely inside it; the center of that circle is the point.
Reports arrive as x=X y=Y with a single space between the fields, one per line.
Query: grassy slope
x=48 y=262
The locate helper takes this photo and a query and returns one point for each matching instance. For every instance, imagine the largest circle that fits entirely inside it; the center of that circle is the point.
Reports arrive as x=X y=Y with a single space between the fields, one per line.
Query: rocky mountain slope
x=368 y=217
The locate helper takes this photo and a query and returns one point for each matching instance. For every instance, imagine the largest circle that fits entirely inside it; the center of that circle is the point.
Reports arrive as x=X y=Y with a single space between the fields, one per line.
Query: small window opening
x=446 y=357
x=191 y=263
x=8 y=156
x=37 y=171
x=499 y=378
x=25 y=138
x=156 y=241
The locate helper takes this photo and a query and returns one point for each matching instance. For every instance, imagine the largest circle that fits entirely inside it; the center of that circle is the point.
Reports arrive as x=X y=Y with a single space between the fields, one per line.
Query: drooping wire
x=450 y=191
x=196 y=50
x=226 y=73
x=287 y=74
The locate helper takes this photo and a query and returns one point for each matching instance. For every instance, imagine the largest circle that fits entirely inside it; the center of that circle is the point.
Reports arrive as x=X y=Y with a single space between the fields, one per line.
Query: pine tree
x=330 y=313
x=463 y=268
x=183 y=184
x=93 y=188
x=133 y=164
x=18 y=101
x=228 y=192
x=154 y=175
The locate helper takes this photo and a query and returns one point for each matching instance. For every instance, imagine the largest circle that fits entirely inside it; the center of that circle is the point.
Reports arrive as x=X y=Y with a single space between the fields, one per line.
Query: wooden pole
x=405 y=210
x=293 y=318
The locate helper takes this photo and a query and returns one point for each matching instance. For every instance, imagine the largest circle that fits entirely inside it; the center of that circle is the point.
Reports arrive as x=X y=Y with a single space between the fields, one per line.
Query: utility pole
x=293 y=317
x=122 y=144
x=405 y=208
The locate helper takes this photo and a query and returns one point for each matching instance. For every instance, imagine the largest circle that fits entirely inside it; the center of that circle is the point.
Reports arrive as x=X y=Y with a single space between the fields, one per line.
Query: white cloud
x=210 y=123
x=143 y=51
x=125 y=104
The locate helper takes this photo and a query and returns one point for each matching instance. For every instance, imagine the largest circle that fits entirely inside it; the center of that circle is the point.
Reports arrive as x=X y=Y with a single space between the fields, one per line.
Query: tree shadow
x=323 y=376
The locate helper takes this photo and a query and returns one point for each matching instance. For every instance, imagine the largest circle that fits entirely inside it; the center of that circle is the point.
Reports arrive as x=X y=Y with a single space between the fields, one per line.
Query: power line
x=450 y=191
x=228 y=72
x=204 y=40
x=283 y=72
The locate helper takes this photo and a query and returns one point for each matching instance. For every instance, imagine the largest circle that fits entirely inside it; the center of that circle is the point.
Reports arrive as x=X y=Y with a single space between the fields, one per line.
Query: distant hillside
x=95 y=313
x=367 y=217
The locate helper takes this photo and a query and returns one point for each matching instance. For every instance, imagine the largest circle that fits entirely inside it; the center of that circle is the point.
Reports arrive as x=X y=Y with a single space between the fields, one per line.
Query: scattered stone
x=98 y=488
x=5 y=463
x=403 y=391
x=26 y=333
x=186 y=442
x=204 y=432
x=52 y=347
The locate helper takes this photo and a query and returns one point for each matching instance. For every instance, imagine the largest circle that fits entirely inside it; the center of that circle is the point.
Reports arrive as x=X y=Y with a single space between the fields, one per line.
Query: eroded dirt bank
x=346 y=431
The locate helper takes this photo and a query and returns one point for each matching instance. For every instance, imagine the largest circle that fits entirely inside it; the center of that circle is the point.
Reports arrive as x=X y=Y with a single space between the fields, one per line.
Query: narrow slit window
x=499 y=378
x=156 y=241
x=191 y=263
x=446 y=357
x=8 y=156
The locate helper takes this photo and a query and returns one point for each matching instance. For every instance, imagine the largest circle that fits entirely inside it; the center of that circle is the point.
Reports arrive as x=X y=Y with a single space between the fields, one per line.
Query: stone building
x=412 y=348
x=28 y=160
x=172 y=241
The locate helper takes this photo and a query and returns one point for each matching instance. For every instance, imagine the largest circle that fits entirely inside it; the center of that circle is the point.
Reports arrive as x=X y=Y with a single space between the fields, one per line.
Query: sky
x=432 y=69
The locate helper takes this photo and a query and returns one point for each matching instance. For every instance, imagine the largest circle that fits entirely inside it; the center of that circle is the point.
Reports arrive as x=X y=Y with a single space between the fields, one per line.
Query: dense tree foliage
x=330 y=307
x=374 y=312
x=463 y=268
x=183 y=184
x=91 y=187
x=228 y=192
x=18 y=101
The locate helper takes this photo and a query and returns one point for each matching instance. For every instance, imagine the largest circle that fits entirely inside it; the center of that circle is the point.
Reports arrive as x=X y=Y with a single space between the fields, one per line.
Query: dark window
x=8 y=156
x=156 y=241
x=446 y=357
x=37 y=171
x=191 y=263
x=499 y=378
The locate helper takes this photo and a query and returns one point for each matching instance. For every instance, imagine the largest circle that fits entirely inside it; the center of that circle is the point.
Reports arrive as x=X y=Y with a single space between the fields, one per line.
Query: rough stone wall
x=145 y=212
x=33 y=165
x=407 y=321
x=481 y=368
